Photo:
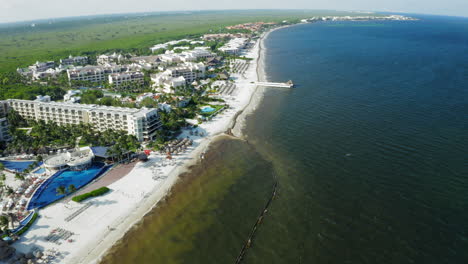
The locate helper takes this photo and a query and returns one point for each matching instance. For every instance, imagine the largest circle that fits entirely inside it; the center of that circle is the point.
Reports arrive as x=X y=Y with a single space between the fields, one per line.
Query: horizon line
x=78 y=17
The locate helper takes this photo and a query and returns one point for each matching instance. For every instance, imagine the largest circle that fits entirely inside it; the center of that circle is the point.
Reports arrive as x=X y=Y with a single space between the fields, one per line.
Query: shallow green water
x=209 y=214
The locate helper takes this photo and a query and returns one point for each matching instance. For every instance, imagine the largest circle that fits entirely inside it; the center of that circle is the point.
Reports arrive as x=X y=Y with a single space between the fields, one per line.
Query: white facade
x=49 y=73
x=76 y=160
x=147 y=62
x=78 y=60
x=234 y=46
x=165 y=45
x=197 y=53
x=142 y=123
x=170 y=58
x=72 y=96
x=126 y=79
x=94 y=73
x=179 y=76
x=190 y=71
x=106 y=59
x=43 y=99
x=167 y=82
x=42 y=66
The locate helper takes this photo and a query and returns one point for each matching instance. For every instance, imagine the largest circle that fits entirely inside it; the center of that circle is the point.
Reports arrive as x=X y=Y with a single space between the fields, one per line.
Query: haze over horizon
x=27 y=10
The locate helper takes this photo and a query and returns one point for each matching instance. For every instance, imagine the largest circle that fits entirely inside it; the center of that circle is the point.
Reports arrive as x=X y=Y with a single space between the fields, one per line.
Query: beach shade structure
x=142 y=157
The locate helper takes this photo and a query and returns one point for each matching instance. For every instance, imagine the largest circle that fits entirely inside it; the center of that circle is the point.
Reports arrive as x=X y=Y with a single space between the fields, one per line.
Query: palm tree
x=71 y=188
x=4 y=222
x=61 y=190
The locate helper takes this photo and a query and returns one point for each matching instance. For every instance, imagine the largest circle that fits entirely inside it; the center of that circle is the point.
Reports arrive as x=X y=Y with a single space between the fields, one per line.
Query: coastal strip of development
x=142 y=120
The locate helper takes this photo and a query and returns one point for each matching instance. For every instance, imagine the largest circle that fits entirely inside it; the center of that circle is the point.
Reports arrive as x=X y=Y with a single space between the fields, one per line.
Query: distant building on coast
x=167 y=44
x=224 y=35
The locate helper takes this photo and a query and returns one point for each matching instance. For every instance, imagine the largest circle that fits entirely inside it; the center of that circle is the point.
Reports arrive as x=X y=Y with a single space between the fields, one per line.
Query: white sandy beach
x=110 y=216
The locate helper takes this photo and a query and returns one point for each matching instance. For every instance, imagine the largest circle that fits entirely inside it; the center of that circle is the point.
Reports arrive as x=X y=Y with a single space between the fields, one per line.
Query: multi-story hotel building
x=78 y=60
x=94 y=73
x=197 y=53
x=234 y=46
x=4 y=130
x=42 y=66
x=3 y=108
x=126 y=79
x=190 y=71
x=142 y=123
x=106 y=59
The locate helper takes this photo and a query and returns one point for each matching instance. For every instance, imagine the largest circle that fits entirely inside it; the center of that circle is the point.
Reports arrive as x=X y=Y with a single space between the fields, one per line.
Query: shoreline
x=237 y=122
x=206 y=144
x=257 y=95
x=111 y=216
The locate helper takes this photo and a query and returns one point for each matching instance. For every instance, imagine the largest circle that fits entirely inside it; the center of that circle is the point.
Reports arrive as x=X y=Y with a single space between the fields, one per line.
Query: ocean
x=369 y=149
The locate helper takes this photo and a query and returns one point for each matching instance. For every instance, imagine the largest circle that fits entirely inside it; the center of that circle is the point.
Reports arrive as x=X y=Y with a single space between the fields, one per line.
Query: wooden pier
x=288 y=84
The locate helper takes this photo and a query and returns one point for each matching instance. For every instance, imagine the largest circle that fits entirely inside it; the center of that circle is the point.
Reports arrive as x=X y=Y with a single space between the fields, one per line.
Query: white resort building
x=142 y=123
x=179 y=76
x=72 y=96
x=190 y=71
x=170 y=58
x=147 y=62
x=167 y=44
x=234 y=46
x=42 y=66
x=78 y=160
x=106 y=59
x=39 y=70
x=49 y=73
x=94 y=73
x=196 y=54
x=167 y=82
x=78 y=60
x=126 y=79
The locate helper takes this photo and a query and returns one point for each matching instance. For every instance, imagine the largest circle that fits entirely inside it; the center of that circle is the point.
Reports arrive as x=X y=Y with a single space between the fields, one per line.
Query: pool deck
x=113 y=175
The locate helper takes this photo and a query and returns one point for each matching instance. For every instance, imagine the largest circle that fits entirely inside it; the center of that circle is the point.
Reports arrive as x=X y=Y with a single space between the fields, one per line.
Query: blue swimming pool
x=207 y=109
x=17 y=165
x=40 y=171
x=47 y=192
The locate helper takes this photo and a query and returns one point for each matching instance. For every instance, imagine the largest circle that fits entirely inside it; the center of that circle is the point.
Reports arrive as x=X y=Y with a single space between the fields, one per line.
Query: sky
x=25 y=10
